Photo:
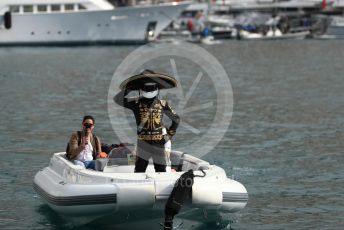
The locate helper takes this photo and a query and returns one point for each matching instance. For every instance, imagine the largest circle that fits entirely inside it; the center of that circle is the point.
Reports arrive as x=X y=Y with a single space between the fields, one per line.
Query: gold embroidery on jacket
x=150 y=118
x=150 y=137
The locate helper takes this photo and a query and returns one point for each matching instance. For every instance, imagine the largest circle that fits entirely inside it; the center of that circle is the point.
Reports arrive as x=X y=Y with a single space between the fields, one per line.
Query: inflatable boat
x=115 y=191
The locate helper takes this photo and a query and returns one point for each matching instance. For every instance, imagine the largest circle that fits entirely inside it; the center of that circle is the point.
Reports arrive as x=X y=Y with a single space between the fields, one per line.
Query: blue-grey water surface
x=285 y=141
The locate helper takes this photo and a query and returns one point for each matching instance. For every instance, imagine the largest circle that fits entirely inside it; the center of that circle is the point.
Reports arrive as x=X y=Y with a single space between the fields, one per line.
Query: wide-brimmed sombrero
x=164 y=81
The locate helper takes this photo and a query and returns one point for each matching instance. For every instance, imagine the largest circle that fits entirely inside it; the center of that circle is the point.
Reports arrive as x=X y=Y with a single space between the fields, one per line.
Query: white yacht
x=45 y=22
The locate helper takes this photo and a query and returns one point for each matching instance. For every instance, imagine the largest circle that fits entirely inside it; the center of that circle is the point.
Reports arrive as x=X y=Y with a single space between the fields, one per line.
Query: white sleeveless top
x=86 y=153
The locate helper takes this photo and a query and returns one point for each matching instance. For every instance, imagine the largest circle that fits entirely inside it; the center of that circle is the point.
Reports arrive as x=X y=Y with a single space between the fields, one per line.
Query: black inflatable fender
x=8 y=20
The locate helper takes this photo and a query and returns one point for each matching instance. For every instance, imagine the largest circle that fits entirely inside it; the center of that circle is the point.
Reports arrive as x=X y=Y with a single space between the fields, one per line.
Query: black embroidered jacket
x=149 y=114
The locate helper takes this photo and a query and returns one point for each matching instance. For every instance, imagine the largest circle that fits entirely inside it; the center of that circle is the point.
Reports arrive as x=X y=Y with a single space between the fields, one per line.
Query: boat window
x=42 y=8
x=69 y=7
x=81 y=7
x=14 y=9
x=188 y=14
x=28 y=8
x=55 y=8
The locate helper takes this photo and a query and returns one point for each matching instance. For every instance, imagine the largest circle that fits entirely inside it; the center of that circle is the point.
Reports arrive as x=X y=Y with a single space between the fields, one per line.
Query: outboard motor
x=8 y=20
x=182 y=191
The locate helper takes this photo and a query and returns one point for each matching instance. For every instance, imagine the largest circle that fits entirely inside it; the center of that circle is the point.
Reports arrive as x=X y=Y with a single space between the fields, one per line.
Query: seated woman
x=84 y=147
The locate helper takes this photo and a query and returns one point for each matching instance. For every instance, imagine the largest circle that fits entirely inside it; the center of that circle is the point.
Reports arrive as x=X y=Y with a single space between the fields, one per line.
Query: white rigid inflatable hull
x=73 y=191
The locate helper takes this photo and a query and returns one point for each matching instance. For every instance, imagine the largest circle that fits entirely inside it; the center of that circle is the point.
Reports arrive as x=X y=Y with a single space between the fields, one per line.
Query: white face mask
x=151 y=94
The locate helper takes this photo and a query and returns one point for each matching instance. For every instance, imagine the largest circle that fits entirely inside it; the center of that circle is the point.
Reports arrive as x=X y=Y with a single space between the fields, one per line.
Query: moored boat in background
x=334 y=29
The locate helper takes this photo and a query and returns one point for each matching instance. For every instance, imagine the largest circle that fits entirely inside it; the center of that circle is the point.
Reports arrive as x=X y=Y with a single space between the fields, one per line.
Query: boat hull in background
x=121 y=25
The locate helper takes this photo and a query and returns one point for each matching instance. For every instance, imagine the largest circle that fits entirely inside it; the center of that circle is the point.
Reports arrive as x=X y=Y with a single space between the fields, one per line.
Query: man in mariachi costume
x=148 y=110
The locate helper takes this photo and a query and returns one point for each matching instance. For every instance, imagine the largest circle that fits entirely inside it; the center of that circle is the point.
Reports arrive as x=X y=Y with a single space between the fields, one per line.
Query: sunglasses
x=88 y=125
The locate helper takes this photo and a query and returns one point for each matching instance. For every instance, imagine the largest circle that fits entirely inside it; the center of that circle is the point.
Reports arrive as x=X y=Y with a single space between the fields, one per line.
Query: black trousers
x=147 y=149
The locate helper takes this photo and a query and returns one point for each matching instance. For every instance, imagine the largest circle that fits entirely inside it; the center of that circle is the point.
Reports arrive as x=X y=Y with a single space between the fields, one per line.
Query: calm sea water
x=285 y=141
